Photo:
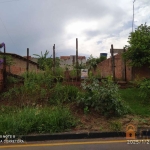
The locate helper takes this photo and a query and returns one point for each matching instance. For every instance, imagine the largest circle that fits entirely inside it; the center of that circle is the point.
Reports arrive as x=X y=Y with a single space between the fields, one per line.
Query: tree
x=43 y=61
x=100 y=59
x=93 y=62
x=138 y=50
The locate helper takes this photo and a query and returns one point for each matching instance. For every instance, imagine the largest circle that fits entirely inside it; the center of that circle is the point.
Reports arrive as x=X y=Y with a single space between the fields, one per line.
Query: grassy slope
x=132 y=97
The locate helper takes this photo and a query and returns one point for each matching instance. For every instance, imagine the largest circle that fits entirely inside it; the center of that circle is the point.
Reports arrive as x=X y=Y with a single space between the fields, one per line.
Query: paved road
x=92 y=144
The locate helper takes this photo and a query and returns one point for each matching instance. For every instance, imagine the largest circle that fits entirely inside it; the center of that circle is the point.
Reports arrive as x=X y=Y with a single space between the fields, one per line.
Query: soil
x=96 y=122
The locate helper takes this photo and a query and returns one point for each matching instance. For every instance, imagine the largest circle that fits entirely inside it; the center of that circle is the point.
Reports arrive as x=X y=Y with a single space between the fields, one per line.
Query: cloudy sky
x=39 y=24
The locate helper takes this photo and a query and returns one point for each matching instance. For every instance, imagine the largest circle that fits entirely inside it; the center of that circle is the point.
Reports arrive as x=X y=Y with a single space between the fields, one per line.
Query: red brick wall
x=23 y=64
x=1 y=79
x=105 y=69
x=140 y=72
x=1 y=75
x=18 y=68
x=119 y=68
x=129 y=73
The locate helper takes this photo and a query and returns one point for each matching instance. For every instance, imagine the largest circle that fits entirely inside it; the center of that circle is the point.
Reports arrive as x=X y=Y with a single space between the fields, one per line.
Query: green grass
x=35 y=120
x=132 y=97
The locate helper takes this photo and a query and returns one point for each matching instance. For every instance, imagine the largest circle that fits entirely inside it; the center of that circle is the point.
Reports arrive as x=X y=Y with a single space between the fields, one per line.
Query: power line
x=6 y=30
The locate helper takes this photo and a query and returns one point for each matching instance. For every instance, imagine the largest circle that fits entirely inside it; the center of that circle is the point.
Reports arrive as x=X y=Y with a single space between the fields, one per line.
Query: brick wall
x=1 y=79
x=140 y=72
x=19 y=70
x=19 y=67
x=1 y=74
x=105 y=69
x=22 y=64
x=129 y=73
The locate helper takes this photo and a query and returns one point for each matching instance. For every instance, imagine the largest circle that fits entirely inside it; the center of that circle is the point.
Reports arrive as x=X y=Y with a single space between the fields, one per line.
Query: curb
x=64 y=136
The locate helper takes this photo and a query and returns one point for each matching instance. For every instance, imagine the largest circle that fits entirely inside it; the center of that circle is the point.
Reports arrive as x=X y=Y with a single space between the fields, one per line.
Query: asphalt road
x=92 y=144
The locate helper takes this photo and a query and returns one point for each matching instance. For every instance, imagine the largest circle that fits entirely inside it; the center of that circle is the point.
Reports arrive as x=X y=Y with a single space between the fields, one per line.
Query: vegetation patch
x=35 y=120
x=104 y=98
x=63 y=93
x=136 y=103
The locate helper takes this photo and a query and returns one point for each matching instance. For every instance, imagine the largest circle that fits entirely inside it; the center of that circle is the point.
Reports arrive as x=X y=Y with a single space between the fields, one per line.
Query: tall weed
x=63 y=93
x=36 y=120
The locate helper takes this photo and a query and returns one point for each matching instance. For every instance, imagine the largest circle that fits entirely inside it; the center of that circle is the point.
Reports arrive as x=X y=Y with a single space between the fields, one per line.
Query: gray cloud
x=38 y=24
x=99 y=42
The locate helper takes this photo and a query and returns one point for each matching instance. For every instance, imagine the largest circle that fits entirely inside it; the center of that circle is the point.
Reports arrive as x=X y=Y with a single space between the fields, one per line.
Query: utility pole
x=133 y=16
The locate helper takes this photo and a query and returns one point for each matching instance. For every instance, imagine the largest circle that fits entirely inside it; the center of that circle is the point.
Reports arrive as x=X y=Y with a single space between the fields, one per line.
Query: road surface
x=90 y=144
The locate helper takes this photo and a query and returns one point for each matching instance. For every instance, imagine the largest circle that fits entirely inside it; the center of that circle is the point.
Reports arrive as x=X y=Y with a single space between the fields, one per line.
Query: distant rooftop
x=68 y=57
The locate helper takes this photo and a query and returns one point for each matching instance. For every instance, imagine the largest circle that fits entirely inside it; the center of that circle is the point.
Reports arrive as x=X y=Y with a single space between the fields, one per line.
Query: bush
x=36 y=87
x=103 y=97
x=144 y=86
x=63 y=93
x=36 y=120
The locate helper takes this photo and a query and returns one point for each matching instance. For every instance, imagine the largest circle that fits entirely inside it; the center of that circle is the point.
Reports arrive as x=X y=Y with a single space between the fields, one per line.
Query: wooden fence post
x=77 y=56
x=27 y=69
x=4 y=67
x=125 y=76
x=54 y=59
x=113 y=62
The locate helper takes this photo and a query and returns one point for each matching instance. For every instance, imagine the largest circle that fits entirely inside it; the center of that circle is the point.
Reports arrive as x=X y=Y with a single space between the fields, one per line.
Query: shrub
x=36 y=120
x=36 y=87
x=63 y=93
x=116 y=126
x=144 y=87
x=103 y=97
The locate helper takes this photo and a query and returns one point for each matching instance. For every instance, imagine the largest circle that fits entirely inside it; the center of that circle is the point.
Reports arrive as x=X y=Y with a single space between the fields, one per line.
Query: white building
x=70 y=61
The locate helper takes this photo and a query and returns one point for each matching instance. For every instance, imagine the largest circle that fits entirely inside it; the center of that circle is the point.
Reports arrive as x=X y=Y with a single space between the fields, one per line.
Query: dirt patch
x=93 y=121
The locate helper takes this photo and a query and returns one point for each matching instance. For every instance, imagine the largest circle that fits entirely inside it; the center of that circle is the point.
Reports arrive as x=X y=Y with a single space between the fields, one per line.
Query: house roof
x=68 y=57
x=81 y=57
x=28 y=57
x=20 y=57
x=65 y=57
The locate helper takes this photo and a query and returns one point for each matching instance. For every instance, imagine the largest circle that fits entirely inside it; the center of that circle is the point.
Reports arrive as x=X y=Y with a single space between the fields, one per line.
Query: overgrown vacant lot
x=56 y=107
